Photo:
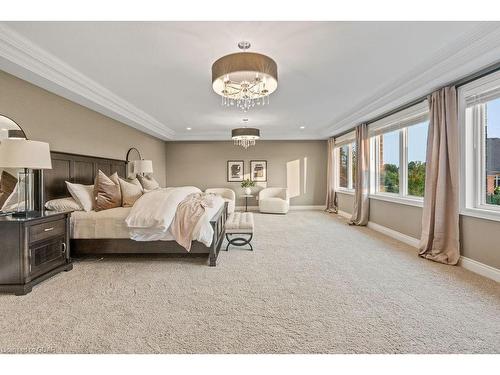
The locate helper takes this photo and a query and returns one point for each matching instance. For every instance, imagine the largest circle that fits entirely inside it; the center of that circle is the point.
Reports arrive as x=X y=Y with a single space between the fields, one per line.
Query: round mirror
x=9 y=176
x=133 y=155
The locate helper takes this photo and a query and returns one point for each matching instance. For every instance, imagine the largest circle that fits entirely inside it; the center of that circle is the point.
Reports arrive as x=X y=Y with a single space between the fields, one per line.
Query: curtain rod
x=460 y=82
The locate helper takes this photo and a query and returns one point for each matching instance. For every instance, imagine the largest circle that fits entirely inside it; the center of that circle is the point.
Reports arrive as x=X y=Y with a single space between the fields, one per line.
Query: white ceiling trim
x=24 y=59
x=468 y=54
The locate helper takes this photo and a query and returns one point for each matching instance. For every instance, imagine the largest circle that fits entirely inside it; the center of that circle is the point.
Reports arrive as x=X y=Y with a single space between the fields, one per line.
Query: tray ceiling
x=155 y=76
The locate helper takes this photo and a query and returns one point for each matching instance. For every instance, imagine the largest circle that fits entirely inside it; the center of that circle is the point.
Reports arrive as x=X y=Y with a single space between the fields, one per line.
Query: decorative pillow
x=148 y=182
x=82 y=194
x=7 y=185
x=130 y=192
x=136 y=182
x=107 y=192
x=63 y=204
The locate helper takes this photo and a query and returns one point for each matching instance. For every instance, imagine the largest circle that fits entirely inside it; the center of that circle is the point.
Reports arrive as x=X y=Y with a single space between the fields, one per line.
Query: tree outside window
x=388 y=162
x=417 y=141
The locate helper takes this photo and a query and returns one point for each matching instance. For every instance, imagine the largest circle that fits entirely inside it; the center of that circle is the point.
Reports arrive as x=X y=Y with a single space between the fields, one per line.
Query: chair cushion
x=273 y=205
x=240 y=222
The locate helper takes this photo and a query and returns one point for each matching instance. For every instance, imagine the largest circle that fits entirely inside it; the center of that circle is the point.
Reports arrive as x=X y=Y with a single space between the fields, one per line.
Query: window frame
x=472 y=171
x=399 y=122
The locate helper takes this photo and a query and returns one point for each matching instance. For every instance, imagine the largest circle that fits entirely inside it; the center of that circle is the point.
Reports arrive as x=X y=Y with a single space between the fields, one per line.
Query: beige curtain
x=361 y=209
x=440 y=229
x=331 y=195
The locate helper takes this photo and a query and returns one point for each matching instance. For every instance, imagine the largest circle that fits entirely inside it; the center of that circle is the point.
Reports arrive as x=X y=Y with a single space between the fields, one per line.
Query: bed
x=105 y=232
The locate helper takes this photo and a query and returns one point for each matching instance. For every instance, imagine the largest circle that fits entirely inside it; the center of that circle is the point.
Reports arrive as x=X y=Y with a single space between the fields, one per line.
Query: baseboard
x=345 y=214
x=298 y=208
x=292 y=208
x=394 y=234
x=480 y=268
x=467 y=263
x=387 y=231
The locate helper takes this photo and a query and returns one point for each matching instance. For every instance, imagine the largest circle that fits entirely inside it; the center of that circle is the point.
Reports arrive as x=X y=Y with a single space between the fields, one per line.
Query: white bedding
x=151 y=216
x=149 y=221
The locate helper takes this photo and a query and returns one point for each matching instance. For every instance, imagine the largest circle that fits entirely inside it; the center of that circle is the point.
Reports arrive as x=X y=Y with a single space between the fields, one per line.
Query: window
x=345 y=159
x=417 y=148
x=388 y=163
x=344 y=166
x=399 y=144
x=479 y=115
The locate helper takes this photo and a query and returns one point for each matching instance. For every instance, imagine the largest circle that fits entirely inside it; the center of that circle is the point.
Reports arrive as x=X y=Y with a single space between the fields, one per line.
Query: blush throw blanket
x=188 y=215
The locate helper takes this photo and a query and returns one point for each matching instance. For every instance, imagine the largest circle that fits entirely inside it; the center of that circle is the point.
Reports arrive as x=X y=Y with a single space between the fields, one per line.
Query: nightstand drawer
x=47 y=230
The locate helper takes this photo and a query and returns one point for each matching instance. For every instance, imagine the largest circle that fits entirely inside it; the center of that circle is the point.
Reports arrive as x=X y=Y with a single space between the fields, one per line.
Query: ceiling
x=156 y=76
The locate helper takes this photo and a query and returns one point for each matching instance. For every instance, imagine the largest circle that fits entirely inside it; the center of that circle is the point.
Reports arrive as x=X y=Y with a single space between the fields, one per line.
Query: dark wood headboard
x=79 y=169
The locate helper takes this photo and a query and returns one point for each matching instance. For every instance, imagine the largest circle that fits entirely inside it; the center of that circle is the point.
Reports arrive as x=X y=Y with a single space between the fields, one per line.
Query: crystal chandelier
x=244 y=79
x=245 y=137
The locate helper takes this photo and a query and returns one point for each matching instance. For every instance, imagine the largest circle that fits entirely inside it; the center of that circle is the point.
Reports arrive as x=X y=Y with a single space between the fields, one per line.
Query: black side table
x=246 y=196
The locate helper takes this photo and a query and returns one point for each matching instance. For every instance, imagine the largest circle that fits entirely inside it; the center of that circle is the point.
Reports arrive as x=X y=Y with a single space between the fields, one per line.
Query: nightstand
x=33 y=249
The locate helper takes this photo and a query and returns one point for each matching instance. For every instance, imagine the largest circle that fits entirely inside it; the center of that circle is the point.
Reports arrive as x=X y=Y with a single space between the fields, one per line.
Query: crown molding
x=467 y=54
x=24 y=59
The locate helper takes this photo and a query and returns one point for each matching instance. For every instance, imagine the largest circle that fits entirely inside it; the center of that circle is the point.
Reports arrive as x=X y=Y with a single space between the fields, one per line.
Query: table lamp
x=26 y=155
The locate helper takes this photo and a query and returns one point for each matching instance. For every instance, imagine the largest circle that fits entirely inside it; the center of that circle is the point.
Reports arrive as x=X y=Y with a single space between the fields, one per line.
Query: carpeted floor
x=312 y=285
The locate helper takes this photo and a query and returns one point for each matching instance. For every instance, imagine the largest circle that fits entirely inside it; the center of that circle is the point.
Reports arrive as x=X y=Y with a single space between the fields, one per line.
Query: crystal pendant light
x=244 y=79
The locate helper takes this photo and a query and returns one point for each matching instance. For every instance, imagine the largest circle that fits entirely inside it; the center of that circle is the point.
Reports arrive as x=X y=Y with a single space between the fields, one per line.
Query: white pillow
x=130 y=192
x=82 y=194
x=148 y=182
x=63 y=204
x=136 y=182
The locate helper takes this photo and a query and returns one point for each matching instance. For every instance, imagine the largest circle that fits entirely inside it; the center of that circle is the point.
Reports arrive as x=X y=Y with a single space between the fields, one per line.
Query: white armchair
x=228 y=195
x=274 y=200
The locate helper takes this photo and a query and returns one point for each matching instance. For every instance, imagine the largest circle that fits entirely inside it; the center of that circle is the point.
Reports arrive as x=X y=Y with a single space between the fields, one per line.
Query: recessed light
x=302 y=127
x=188 y=128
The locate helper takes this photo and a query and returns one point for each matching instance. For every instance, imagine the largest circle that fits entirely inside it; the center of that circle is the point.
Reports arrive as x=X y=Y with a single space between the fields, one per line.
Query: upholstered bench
x=239 y=224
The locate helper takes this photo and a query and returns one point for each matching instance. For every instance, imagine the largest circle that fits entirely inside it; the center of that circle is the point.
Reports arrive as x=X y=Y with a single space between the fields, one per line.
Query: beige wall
x=70 y=127
x=479 y=239
x=345 y=202
x=399 y=217
x=203 y=164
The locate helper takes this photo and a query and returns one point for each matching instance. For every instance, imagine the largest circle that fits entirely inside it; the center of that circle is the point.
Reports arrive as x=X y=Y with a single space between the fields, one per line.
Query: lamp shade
x=143 y=166
x=22 y=153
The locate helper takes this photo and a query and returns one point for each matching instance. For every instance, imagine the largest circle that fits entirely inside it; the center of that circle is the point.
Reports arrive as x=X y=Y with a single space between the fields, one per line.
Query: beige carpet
x=312 y=285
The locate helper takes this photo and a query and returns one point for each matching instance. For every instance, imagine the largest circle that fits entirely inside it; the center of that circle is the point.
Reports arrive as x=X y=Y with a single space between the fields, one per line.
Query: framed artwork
x=235 y=170
x=258 y=170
